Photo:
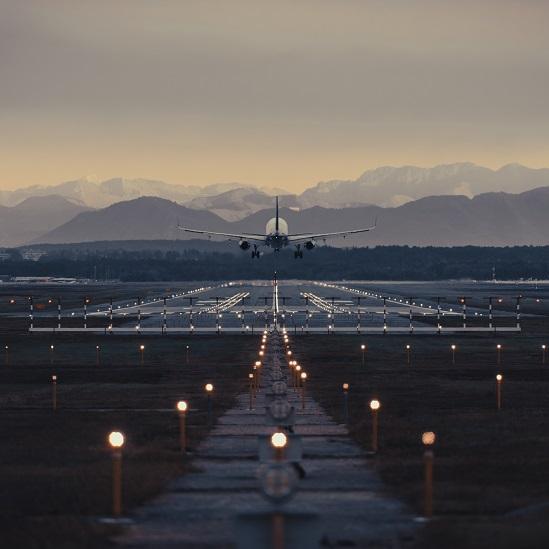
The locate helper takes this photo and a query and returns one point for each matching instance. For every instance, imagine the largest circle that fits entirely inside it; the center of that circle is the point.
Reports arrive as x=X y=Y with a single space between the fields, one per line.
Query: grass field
x=55 y=473
x=491 y=467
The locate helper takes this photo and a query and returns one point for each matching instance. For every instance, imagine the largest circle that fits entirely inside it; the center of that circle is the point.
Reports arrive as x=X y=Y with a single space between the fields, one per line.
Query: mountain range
x=35 y=216
x=444 y=205
x=385 y=186
x=489 y=219
x=388 y=186
x=89 y=192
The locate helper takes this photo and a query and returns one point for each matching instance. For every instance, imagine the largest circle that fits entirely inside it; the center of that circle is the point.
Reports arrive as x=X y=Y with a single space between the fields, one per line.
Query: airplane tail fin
x=276 y=214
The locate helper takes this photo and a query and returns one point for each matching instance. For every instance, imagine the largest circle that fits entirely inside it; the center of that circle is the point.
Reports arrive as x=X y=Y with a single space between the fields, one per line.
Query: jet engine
x=244 y=244
x=310 y=244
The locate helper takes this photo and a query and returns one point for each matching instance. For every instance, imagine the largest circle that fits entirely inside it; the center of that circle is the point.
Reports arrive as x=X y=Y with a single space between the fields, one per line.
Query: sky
x=284 y=93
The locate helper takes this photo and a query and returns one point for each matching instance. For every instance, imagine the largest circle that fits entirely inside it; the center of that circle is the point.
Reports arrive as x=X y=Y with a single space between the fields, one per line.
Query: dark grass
x=45 y=296
x=55 y=467
x=487 y=463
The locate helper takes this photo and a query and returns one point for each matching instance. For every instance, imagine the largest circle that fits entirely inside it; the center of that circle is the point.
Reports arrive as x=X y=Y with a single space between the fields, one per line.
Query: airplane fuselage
x=276 y=232
x=277 y=241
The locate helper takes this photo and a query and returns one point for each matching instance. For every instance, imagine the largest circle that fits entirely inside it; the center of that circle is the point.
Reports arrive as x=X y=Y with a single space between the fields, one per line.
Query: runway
x=337 y=500
x=303 y=307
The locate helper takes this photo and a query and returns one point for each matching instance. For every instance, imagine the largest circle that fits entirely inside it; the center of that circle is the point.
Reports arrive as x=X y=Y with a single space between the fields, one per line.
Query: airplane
x=277 y=236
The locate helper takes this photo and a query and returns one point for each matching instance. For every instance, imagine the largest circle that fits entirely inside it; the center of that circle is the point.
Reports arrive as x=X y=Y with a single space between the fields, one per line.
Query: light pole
x=187 y=352
x=279 y=441
x=254 y=380
x=251 y=378
x=303 y=380
x=499 y=381
x=142 y=353
x=182 y=408
x=543 y=349
x=498 y=349
x=428 y=440
x=52 y=348
x=363 y=349
x=453 y=348
x=116 y=441
x=209 y=390
x=297 y=375
x=97 y=355
x=7 y=349
x=346 y=403
x=375 y=405
x=292 y=371
x=54 y=392
x=86 y=301
x=408 y=354
x=258 y=374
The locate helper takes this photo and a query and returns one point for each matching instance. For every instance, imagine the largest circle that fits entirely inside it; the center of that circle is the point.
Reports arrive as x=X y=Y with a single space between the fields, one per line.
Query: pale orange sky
x=283 y=93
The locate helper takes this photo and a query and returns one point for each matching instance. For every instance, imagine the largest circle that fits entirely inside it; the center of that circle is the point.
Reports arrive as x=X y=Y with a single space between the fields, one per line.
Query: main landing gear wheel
x=299 y=252
x=255 y=252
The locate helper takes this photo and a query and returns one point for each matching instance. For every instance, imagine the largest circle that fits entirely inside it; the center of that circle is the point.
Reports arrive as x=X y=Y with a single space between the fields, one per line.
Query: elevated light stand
x=191 y=322
x=439 y=314
x=384 y=315
x=410 y=301
x=463 y=301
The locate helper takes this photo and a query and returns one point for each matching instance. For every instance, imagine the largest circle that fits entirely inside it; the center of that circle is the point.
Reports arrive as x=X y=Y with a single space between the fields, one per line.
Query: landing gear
x=298 y=252
x=256 y=252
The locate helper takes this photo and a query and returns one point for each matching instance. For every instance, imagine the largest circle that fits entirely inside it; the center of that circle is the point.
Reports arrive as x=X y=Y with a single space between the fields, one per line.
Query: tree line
x=323 y=263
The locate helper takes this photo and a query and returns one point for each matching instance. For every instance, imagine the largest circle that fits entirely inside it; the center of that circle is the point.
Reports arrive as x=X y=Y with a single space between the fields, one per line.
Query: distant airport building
x=31 y=279
x=47 y=280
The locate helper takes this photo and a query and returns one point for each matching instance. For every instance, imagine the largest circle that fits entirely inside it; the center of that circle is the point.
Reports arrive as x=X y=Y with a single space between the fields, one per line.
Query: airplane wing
x=302 y=237
x=230 y=236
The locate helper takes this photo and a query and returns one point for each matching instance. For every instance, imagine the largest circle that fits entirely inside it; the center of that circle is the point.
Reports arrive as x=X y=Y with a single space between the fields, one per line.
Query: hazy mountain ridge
x=489 y=219
x=248 y=205
x=100 y=194
x=34 y=216
x=390 y=186
x=136 y=219
x=386 y=186
x=239 y=203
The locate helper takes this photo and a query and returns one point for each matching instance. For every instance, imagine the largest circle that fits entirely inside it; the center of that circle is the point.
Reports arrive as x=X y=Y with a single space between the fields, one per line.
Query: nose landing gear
x=256 y=252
